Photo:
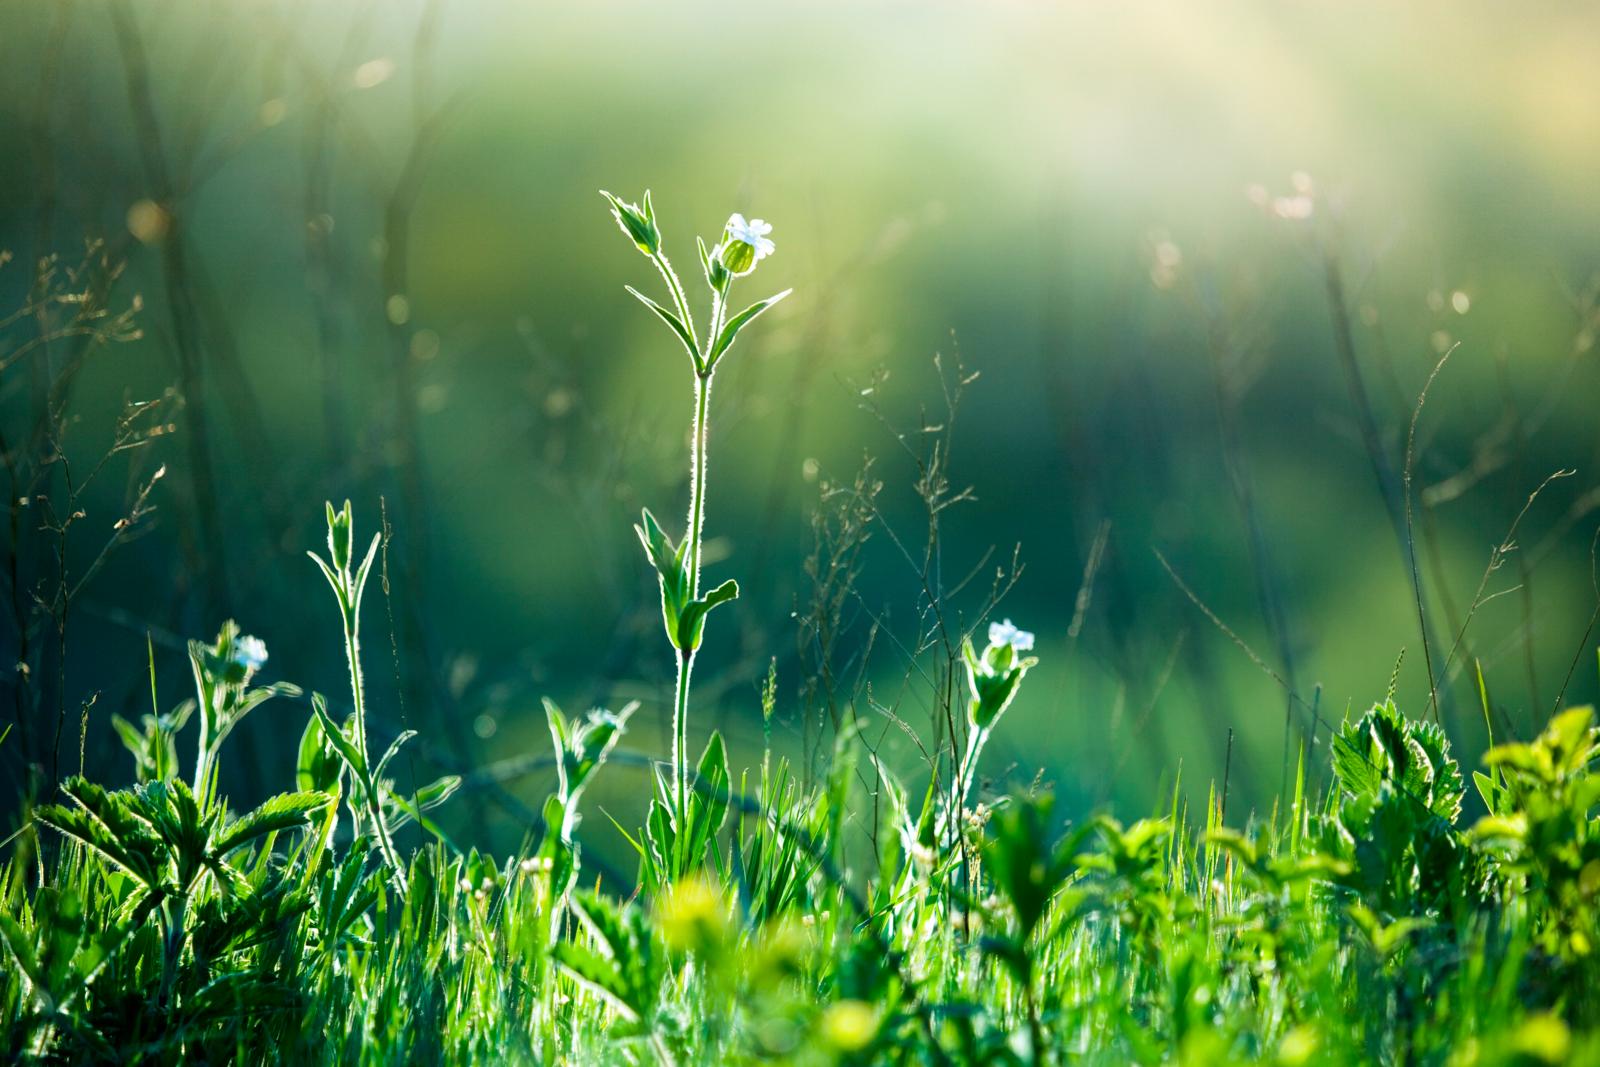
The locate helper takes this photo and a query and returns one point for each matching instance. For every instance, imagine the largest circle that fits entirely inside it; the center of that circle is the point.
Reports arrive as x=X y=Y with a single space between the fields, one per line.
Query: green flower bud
x=736 y=257
x=639 y=223
x=744 y=244
x=339 y=536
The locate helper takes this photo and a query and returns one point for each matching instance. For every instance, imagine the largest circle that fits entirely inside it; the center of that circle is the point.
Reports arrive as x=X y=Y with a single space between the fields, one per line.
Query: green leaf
x=392 y=751
x=691 y=620
x=341 y=744
x=19 y=946
x=670 y=569
x=286 y=811
x=671 y=320
x=437 y=792
x=319 y=766
x=596 y=973
x=740 y=321
x=708 y=803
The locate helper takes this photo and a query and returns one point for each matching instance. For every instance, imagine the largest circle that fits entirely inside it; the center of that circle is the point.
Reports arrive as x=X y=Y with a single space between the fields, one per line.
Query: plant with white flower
x=222 y=675
x=684 y=604
x=993 y=678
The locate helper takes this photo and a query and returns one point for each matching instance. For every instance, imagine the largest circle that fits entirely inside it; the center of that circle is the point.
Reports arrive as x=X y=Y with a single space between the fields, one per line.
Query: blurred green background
x=374 y=229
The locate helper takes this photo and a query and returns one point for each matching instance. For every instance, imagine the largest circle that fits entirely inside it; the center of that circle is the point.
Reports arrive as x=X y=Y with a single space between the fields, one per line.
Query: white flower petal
x=1006 y=633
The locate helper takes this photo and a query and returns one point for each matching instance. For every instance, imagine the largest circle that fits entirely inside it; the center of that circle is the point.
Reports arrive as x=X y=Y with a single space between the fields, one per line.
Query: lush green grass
x=1370 y=926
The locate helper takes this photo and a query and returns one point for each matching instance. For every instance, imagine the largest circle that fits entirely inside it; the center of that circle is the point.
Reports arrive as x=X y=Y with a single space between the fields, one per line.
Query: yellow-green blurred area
x=381 y=220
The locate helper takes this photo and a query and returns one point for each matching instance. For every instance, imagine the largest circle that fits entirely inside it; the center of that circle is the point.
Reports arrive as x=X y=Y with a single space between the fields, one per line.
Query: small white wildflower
x=529 y=865
x=250 y=653
x=466 y=885
x=1004 y=633
x=753 y=233
x=746 y=245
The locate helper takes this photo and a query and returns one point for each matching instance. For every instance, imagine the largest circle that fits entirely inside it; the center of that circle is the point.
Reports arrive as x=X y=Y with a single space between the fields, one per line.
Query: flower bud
x=339 y=536
x=639 y=223
x=736 y=257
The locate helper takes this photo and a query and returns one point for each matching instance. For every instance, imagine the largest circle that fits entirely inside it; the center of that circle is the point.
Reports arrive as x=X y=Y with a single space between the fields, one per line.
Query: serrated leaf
x=286 y=811
x=596 y=973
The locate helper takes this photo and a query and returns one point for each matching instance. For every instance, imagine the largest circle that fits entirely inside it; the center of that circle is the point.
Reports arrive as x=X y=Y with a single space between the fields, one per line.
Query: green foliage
x=1542 y=833
x=1399 y=793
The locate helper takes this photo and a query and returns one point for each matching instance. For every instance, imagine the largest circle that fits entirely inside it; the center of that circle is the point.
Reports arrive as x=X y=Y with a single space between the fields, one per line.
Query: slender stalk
x=698 y=471
x=697 y=484
x=680 y=730
x=352 y=651
x=679 y=297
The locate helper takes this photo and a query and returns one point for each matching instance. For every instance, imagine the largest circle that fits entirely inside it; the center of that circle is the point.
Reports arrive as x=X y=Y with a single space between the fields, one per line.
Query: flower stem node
x=683 y=615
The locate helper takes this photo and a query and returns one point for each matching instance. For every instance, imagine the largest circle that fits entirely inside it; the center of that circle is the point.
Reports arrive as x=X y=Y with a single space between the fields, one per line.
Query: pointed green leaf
x=670 y=319
x=740 y=321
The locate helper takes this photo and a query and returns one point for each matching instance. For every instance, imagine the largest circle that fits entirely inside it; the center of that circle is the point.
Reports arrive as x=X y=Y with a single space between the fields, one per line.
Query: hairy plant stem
x=680 y=731
x=698 y=468
x=352 y=652
x=968 y=770
x=697 y=512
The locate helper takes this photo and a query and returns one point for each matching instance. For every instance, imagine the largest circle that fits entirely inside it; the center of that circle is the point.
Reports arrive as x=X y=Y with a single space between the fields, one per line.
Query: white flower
x=753 y=233
x=1004 y=633
x=250 y=653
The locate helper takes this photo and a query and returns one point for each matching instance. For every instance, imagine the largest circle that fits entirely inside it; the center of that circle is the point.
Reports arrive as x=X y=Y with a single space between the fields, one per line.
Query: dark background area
x=363 y=250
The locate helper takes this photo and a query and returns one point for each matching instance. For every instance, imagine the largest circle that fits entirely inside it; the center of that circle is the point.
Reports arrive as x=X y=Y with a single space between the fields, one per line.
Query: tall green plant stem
x=698 y=470
x=352 y=653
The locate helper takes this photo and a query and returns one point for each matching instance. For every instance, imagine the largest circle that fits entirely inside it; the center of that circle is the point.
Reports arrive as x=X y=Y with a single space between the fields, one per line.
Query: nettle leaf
x=603 y=919
x=598 y=974
x=740 y=321
x=1446 y=787
x=1385 y=746
x=107 y=824
x=287 y=811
